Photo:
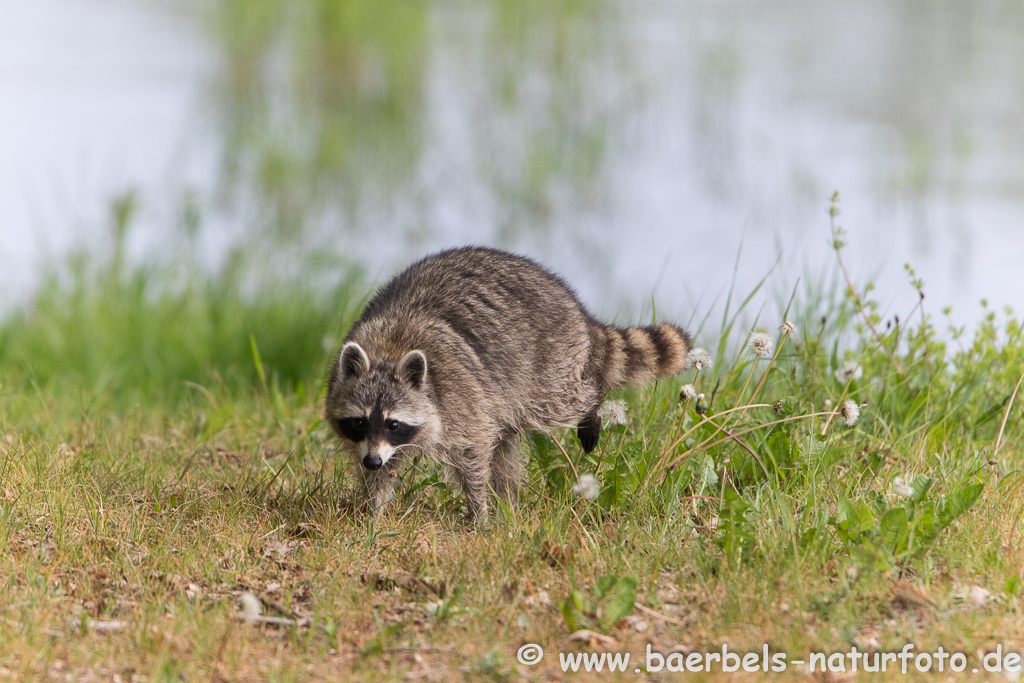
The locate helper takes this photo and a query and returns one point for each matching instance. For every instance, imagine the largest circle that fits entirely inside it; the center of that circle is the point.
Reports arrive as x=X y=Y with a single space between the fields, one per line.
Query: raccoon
x=468 y=348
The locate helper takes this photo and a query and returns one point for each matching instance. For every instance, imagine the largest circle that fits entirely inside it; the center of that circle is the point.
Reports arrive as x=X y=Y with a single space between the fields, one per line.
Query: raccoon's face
x=380 y=407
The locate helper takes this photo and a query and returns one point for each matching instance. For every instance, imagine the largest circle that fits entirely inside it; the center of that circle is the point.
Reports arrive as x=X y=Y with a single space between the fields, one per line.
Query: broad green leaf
x=605 y=585
x=894 y=531
x=847 y=514
x=572 y=611
x=867 y=518
x=622 y=600
x=957 y=503
x=920 y=486
x=710 y=476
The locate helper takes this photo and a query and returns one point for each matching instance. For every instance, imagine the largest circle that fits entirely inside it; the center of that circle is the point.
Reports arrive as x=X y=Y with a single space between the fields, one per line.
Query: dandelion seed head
x=978 y=595
x=849 y=370
x=688 y=392
x=760 y=344
x=587 y=487
x=251 y=607
x=787 y=327
x=613 y=413
x=699 y=358
x=900 y=487
x=850 y=412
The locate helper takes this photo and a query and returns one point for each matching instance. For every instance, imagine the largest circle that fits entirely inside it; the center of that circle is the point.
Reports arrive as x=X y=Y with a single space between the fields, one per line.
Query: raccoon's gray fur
x=469 y=347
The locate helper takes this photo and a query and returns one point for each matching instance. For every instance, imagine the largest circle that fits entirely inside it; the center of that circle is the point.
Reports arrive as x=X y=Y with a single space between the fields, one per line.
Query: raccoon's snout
x=372 y=461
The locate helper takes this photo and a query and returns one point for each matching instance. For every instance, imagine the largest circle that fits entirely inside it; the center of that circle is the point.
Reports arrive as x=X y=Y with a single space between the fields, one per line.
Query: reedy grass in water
x=99 y=330
x=155 y=470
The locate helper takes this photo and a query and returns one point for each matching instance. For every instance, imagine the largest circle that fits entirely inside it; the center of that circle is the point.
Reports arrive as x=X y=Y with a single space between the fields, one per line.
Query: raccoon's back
x=521 y=321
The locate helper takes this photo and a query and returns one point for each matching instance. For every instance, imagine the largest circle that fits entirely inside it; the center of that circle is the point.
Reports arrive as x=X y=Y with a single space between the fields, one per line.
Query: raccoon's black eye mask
x=359 y=428
x=398 y=433
x=354 y=428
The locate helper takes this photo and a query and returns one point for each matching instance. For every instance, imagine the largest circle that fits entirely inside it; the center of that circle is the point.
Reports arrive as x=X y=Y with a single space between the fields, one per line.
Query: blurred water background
x=641 y=148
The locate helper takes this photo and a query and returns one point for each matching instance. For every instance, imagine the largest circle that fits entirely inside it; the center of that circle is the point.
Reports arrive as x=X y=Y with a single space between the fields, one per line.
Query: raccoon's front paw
x=379 y=492
x=589 y=432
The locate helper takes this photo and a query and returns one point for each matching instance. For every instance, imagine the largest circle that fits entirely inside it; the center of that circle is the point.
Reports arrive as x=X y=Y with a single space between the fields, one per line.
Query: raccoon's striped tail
x=637 y=355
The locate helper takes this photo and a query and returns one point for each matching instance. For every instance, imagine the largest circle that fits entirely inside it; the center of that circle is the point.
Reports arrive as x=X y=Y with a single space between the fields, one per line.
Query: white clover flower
x=612 y=413
x=760 y=344
x=251 y=607
x=900 y=487
x=849 y=370
x=688 y=392
x=699 y=358
x=587 y=487
x=850 y=412
x=787 y=327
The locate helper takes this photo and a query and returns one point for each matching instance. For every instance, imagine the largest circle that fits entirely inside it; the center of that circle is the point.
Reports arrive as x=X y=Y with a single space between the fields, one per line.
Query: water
x=95 y=98
x=632 y=146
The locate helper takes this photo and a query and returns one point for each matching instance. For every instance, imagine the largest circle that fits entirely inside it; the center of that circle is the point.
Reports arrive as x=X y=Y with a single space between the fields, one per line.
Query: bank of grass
x=100 y=332
x=152 y=470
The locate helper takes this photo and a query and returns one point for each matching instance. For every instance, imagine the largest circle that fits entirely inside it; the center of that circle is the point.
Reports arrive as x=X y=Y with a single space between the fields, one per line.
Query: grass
x=100 y=331
x=161 y=453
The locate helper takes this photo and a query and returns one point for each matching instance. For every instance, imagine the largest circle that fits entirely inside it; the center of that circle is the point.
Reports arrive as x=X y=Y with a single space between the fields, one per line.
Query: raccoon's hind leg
x=589 y=431
x=507 y=468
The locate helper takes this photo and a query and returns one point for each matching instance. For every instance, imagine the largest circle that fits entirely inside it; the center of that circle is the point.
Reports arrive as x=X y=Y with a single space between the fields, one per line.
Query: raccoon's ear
x=352 y=362
x=413 y=369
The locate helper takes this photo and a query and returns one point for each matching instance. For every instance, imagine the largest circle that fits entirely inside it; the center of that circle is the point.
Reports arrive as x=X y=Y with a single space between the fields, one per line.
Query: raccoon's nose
x=372 y=461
